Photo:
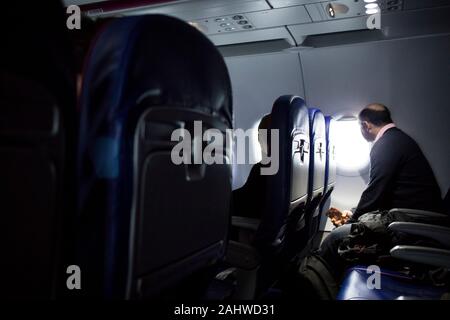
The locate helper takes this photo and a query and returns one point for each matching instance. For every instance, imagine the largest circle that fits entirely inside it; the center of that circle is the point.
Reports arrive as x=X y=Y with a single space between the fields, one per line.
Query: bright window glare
x=255 y=147
x=352 y=151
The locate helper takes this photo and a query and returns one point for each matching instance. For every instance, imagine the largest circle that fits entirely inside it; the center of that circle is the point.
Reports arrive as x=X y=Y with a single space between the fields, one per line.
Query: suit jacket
x=400 y=177
x=248 y=201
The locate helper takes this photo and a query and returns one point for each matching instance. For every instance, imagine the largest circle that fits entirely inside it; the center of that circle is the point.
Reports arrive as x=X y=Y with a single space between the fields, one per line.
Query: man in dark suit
x=248 y=200
x=400 y=177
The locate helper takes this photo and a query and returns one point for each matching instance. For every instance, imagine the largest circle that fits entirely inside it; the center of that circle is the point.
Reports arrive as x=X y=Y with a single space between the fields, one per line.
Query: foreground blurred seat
x=147 y=225
x=37 y=144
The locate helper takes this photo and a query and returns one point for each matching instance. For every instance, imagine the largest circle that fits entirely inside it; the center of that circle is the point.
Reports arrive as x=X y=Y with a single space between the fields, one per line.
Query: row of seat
x=295 y=196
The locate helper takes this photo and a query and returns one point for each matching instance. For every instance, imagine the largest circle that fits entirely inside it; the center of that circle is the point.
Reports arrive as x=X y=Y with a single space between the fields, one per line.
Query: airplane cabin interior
x=215 y=150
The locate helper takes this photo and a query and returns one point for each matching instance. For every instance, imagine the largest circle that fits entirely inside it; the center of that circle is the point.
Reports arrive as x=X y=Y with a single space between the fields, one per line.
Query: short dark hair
x=265 y=122
x=378 y=116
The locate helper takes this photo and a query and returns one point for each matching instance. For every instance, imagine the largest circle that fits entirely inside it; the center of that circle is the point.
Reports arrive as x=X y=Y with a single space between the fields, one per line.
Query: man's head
x=264 y=124
x=372 y=118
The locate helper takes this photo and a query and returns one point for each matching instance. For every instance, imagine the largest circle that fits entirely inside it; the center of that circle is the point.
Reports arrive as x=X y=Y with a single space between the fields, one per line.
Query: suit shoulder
x=396 y=139
x=395 y=136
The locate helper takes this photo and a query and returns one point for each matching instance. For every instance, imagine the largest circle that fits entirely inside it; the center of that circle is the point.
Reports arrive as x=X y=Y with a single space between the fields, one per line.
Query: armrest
x=424 y=255
x=245 y=223
x=420 y=213
x=437 y=233
x=242 y=256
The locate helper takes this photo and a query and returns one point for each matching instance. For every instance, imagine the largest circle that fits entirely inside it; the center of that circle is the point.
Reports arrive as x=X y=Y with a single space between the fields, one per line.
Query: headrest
x=331 y=151
x=290 y=112
x=329 y=126
x=317 y=123
x=328 y=122
x=158 y=61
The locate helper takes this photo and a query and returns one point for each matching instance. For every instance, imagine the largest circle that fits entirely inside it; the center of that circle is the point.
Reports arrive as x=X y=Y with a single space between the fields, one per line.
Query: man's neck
x=382 y=130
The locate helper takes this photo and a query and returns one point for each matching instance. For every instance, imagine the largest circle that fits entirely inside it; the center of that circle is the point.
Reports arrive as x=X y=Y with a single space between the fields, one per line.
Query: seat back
x=148 y=221
x=37 y=110
x=446 y=202
x=330 y=172
x=287 y=190
x=330 y=167
x=316 y=168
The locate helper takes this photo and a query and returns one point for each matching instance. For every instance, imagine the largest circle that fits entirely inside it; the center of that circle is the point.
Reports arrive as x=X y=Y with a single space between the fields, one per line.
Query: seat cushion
x=392 y=286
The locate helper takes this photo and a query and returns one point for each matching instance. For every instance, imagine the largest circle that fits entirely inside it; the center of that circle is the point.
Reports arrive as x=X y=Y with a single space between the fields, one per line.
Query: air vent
x=224 y=24
x=94 y=12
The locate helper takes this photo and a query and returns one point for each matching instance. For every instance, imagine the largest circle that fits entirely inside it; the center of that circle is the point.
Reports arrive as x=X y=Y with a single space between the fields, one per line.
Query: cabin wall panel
x=257 y=80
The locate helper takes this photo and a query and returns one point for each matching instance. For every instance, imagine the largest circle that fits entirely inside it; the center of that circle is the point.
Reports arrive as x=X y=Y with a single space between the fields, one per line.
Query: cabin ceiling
x=228 y=22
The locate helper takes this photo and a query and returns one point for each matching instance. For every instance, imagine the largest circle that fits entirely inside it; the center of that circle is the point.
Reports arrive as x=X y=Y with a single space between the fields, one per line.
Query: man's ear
x=367 y=126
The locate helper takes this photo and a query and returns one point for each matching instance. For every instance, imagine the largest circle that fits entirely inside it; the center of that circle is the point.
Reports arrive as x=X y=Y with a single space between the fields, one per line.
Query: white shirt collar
x=383 y=130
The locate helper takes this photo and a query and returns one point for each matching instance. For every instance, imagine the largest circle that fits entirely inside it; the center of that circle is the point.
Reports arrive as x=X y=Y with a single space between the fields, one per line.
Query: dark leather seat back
x=148 y=223
x=330 y=172
x=37 y=123
x=288 y=188
x=316 y=168
x=330 y=166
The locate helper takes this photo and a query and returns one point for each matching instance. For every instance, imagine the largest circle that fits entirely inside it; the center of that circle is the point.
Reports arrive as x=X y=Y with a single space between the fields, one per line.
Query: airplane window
x=255 y=147
x=352 y=151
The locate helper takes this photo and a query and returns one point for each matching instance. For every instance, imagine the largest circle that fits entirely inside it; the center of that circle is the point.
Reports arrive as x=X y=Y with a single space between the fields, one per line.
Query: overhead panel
x=252 y=36
x=223 y=24
x=199 y=9
x=316 y=12
x=290 y=3
x=300 y=31
x=279 y=17
x=341 y=9
x=242 y=21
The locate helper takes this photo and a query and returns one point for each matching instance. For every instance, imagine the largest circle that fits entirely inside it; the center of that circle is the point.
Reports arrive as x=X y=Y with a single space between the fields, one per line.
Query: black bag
x=370 y=240
x=313 y=280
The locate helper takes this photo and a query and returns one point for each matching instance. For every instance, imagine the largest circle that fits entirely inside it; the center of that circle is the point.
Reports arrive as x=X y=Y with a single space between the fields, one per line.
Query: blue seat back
x=287 y=189
x=330 y=167
x=316 y=184
x=330 y=171
x=147 y=222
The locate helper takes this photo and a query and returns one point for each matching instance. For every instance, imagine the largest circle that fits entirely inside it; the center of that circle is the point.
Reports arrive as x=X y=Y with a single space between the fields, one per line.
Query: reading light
x=255 y=152
x=331 y=11
x=372 y=11
x=369 y=1
x=371 y=5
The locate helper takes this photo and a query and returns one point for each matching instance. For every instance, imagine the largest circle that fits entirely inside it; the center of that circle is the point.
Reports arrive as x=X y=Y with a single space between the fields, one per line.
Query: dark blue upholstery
x=287 y=189
x=146 y=223
x=316 y=168
x=330 y=170
x=393 y=285
x=282 y=231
